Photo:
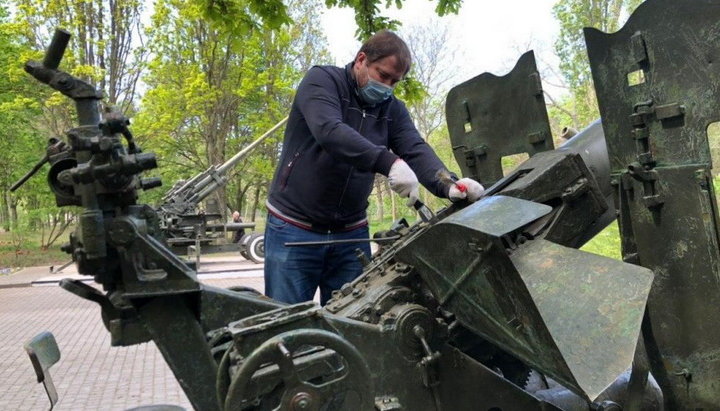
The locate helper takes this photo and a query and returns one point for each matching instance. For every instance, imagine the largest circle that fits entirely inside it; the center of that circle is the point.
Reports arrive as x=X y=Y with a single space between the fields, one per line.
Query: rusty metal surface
x=591 y=305
x=491 y=117
x=573 y=315
x=498 y=215
x=562 y=179
x=658 y=88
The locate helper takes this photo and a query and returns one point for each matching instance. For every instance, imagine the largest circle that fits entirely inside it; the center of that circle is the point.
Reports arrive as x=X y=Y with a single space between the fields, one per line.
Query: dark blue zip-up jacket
x=335 y=143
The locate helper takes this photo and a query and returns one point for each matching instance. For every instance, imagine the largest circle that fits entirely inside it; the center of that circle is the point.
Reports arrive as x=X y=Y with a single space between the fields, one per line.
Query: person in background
x=239 y=233
x=345 y=126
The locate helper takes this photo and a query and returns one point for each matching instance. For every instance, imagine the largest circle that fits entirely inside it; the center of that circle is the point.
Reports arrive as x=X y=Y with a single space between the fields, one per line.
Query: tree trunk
x=243 y=195
x=380 y=213
x=13 y=210
x=392 y=203
x=216 y=156
x=256 y=201
x=4 y=215
x=38 y=221
x=239 y=194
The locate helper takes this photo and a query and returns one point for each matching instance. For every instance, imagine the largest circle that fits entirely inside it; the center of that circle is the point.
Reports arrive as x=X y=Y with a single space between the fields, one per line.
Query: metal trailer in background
x=188 y=228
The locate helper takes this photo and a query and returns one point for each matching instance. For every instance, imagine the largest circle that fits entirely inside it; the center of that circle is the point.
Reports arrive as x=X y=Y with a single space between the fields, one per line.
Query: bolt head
x=301 y=401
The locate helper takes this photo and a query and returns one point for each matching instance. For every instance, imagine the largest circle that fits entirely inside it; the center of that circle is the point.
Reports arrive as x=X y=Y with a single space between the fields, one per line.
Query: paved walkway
x=91 y=375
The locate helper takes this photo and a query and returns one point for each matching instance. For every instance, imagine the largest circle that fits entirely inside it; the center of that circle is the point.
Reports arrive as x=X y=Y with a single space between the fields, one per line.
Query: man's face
x=385 y=70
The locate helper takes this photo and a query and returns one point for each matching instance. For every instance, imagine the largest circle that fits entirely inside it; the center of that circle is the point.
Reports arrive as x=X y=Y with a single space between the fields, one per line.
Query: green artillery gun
x=185 y=225
x=488 y=305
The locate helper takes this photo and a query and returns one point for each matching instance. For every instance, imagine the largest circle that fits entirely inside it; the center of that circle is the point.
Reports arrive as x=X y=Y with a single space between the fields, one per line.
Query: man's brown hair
x=385 y=43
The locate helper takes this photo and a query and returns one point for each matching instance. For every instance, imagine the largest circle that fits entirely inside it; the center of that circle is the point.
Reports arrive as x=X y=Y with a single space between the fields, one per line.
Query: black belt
x=321 y=228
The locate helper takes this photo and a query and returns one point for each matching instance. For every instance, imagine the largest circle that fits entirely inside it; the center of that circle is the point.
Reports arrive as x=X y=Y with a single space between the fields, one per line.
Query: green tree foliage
x=370 y=21
x=102 y=51
x=19 y=137
x=368 y=17
x=240 y=16
x=212 y=92
x=105 y=46
x=580 y=108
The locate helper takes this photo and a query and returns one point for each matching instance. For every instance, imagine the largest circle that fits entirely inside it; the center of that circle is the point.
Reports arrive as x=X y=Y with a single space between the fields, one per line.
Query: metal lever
x=89 y=293
x=425 y=213
x=346 y=241
x=30 y=173
x=55 y=146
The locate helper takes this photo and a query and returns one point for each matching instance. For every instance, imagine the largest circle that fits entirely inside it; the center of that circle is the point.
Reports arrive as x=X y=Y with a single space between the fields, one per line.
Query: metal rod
x=30 y=173
x=230 y=163
x=212 y=179
x=62 y=267
x=346 y=241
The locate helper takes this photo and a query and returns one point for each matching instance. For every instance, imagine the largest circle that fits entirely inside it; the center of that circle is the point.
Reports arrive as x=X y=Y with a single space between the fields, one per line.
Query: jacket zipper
x=288 y=168
x=347 y=181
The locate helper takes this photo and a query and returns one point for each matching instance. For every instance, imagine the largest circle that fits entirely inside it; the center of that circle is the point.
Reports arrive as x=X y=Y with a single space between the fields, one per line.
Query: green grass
x=259 y=224
x=29 y=253
x=385 y=224
x=606 y=243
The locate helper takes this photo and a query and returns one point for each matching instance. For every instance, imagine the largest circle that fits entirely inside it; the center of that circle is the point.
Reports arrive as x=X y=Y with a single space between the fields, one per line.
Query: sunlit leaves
x=368 y=17
x=241 y=16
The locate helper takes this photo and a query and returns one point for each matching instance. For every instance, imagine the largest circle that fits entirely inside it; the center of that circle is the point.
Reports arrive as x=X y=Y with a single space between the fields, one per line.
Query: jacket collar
x=351 y=79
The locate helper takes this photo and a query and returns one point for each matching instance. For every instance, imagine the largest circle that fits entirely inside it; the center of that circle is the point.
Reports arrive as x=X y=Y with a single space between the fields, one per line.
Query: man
x=239 y=233
x=343 y=124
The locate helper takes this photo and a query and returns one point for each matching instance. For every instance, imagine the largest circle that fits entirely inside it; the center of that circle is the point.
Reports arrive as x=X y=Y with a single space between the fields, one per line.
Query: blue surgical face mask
x=375 y=92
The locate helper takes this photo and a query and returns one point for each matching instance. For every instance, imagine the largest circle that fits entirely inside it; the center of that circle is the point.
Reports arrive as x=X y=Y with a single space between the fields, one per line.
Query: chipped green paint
x=578 y=314
x=678 y=239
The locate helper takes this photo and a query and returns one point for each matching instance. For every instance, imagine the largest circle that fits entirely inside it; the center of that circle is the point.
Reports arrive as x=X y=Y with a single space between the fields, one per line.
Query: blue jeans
x=293 y=274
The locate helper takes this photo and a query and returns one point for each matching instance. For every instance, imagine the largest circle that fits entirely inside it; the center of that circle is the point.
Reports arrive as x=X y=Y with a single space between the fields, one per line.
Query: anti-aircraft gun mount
x=458 y=312
x=186 y=226
x=93 y=135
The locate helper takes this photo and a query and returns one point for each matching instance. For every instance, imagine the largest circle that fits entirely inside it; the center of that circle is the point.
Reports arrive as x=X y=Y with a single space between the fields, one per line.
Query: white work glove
x=404 y=181
x=466 y=188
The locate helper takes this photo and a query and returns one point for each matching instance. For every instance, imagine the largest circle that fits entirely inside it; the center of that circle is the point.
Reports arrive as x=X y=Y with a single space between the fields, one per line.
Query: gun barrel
x=56 y=49
x=208 y=188
x=202 y=185
x=589 y=143
x=216 y=178
x=231 y=162
x=231 y=226
x=176 y=191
